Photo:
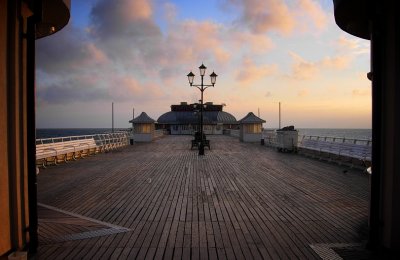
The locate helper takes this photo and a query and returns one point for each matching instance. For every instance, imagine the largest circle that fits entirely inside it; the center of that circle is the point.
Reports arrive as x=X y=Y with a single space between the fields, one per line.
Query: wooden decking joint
x=77 y=224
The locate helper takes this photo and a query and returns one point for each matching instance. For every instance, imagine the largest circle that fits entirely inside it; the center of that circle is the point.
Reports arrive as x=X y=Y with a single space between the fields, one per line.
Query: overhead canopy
x=53 y=16
x=353 y=16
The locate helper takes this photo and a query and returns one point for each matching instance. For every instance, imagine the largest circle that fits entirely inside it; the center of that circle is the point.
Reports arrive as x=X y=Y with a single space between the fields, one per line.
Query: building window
x=143 y=129
x=252 y=128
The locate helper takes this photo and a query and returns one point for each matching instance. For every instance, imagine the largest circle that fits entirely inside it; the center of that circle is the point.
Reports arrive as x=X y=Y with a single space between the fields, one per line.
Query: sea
x=365 y=134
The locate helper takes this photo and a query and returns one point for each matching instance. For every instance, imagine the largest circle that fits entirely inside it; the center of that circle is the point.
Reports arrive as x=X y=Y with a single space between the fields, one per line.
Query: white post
x=279 y=115
x=112 y=117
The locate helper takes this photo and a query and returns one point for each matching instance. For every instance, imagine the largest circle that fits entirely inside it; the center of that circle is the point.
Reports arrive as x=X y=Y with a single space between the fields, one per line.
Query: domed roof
x=167 y=118
x=190 y=117
x=224 y=117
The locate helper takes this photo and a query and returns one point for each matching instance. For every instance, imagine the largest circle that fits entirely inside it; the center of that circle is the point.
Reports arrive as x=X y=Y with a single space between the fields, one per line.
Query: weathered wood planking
x=240 y=201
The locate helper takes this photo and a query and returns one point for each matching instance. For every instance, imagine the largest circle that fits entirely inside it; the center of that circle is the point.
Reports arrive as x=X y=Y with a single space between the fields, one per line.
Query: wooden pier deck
x=162 y=201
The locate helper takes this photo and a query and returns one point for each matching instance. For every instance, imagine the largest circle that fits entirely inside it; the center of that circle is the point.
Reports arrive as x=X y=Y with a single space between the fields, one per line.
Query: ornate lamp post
x=202 y=87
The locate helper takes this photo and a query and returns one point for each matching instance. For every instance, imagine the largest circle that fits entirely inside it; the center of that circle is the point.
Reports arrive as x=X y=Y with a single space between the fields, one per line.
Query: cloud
x=338 y=62
x=312 y=12
x=257 y=43
x=97 y=55
x=69 y=91
x=302 y=69
x=306 y=70
x=344 y=42
x=87 y=88
x=268 y=94
x=303 y=93
x=250 y=72
x=265 y=15
x=123 y=36
x=125 y=30
x=57 y=53
x=352 y=46
x=192 y=40
x=262 y=16
x=170 y=12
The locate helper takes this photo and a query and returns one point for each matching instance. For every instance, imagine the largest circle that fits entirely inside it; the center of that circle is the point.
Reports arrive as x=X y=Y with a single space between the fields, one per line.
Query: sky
x=137 y=53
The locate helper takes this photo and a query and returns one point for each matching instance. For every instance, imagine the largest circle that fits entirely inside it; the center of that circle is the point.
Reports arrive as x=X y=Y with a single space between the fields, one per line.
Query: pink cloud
x=302 y=69
x=192 y=41
x=262 y=16
x=258 y=43
x=170 y=12
x=265 y=15
x=250 y=72
x=338 y=62
x=311 y=11
x=136 y=10
x=344 y=42
x=97 y=55
x=303 y=93
x=355 y=46
x=306 y=70
x=125 y=86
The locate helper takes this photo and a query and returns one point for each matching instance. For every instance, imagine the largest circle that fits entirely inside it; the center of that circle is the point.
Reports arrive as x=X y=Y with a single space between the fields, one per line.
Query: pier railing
x=334 y=139
x=341 y=149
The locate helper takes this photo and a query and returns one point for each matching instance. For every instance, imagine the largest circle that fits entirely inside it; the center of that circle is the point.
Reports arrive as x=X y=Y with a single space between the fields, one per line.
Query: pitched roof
x=251 y=119
x=143 y=118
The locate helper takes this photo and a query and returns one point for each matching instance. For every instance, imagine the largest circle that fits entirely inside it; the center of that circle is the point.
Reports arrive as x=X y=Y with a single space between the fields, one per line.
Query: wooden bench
x=196 y=143
x=197 y=140
x=53 y=153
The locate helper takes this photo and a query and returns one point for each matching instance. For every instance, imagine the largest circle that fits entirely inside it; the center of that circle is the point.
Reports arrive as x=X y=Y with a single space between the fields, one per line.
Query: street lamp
x=202 y=87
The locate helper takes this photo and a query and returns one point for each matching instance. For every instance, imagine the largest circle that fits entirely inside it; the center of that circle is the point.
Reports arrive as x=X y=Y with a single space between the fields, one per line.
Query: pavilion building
x=185 y=119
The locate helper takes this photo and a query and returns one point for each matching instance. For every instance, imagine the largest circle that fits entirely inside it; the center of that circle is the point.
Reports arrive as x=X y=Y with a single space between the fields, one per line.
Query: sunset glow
x=137 y=53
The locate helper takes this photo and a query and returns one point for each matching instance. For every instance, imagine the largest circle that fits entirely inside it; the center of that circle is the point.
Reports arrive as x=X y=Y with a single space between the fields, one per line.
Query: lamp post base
x=201 y=149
